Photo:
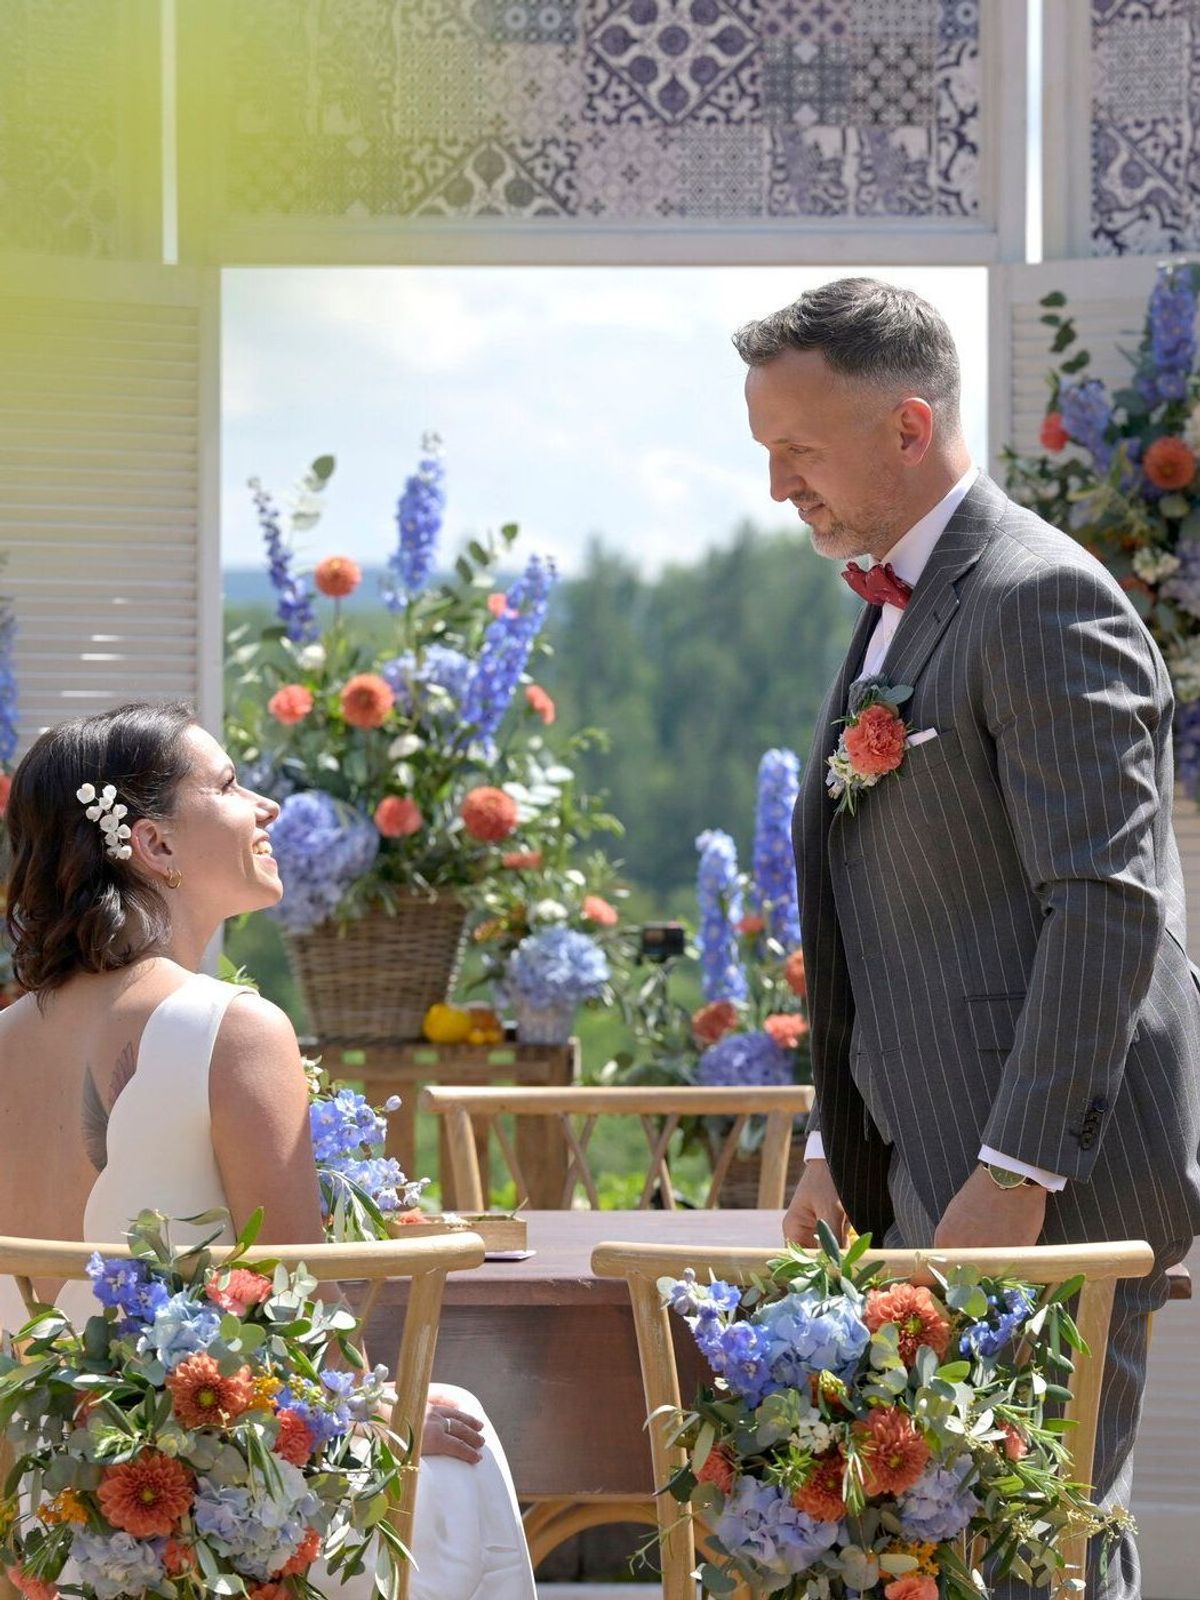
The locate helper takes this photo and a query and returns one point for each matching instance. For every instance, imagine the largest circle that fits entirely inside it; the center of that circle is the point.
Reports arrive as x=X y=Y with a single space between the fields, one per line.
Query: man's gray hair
x=866 y=330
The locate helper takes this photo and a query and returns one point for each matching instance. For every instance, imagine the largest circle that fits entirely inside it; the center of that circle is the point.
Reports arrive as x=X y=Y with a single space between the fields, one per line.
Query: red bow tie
x=879 y=585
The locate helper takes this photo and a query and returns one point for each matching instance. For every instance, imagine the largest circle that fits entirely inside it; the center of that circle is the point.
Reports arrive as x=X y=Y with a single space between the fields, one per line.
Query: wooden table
x=385 y=1067
x=550 y=1349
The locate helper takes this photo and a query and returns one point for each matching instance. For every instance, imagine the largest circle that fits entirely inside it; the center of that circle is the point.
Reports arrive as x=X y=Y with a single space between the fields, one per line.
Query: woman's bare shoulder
x=256 y=1039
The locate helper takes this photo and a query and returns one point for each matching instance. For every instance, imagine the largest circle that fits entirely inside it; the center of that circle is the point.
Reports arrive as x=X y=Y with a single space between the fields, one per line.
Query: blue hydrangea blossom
x=810 y=1335
x=557 y=966
x=441 y=667
x=321 y=846
x=117 y=1564
x=760 y=1523
x=745 y=1060
x=719 y=894
x=939 y=1505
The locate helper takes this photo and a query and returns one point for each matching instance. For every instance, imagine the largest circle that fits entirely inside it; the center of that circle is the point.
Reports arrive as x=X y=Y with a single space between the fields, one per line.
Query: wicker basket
x=375 y=977
x=739 y=1187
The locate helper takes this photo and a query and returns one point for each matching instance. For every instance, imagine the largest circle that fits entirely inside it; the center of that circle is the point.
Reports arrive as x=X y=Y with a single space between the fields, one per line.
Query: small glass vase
x=542 y=1024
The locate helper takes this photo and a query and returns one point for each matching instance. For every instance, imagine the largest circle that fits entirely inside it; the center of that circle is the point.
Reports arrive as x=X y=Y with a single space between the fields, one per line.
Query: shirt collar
x=909 y=555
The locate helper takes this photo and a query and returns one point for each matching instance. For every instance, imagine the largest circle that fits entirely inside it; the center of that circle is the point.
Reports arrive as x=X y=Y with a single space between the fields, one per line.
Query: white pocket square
x=921 y=738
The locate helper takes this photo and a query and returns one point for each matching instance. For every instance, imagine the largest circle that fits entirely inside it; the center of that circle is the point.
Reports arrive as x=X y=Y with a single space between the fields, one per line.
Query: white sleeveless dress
x=468 y=1542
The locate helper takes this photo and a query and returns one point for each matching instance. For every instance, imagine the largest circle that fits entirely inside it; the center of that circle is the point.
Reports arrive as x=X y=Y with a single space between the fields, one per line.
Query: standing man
x=1005 y=1025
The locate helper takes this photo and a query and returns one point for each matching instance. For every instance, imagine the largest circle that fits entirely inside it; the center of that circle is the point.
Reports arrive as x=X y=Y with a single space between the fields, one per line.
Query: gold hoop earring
x=174 y=878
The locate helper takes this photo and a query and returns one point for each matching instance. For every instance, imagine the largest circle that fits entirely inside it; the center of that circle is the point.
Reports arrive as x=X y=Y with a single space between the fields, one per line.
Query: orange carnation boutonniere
x=872 y=741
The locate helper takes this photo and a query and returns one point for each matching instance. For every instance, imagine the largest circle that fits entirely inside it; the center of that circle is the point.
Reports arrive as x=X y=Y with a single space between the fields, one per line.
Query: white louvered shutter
x=1107 y=299
x=109 y=430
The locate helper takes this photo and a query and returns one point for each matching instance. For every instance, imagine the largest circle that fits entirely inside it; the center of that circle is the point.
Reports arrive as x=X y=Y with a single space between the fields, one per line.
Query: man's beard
x=843 y=542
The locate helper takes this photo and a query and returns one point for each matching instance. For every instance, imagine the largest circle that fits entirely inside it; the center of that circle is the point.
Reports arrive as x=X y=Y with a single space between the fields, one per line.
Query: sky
x=573 y=401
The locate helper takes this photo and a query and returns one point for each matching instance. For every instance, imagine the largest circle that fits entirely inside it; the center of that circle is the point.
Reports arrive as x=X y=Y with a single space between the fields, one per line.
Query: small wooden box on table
x=400 y=1066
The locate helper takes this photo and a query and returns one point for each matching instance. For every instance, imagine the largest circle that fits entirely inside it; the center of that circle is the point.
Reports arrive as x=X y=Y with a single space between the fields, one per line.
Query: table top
x=559 y=1272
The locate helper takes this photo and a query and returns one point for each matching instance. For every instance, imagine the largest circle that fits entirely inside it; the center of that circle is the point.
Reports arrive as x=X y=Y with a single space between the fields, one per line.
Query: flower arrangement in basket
x=865 y=1436
x=1119 y=472
x=193 y=1438
x=752 y=1028
x=406 y=765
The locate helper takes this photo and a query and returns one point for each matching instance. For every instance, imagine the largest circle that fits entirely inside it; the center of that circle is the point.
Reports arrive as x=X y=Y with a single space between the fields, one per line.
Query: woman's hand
x=451 y=1432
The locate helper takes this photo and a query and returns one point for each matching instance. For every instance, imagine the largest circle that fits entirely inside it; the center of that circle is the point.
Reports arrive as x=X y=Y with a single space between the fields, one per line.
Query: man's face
x=833 y=450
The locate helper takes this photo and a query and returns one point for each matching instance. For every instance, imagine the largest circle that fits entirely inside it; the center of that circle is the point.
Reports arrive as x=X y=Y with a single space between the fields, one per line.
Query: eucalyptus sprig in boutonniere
x=872 y=741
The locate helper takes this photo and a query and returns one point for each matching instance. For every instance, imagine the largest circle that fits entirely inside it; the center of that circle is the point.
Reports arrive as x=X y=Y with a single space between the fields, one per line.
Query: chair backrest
x=474 y=1114
x=426 y=1261
x=471 y=1115
x=1100 y=1265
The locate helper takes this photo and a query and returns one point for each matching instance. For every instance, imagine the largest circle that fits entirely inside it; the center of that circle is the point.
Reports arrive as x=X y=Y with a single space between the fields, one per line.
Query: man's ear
x=914 y=423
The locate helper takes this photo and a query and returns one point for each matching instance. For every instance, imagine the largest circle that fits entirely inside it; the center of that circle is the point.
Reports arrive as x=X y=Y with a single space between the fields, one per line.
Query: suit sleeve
x=1074 y=696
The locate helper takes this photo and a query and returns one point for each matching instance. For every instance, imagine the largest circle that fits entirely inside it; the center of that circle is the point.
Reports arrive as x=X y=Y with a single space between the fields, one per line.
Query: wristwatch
x=1005 y=1177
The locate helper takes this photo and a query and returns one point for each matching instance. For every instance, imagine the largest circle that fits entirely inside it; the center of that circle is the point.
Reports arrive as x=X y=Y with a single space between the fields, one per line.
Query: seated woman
x=129 y=1079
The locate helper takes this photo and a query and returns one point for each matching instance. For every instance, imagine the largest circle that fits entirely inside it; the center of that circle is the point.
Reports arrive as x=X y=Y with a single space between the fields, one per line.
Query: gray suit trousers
x=1120 y=1402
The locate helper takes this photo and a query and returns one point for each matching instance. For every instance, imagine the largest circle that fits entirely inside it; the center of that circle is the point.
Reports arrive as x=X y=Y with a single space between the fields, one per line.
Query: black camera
x=661 y=940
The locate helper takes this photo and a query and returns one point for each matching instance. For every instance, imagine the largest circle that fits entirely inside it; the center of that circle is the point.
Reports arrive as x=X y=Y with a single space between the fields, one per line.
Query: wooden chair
x=425 y=1261
x=473 y=1115
x=642 y=1265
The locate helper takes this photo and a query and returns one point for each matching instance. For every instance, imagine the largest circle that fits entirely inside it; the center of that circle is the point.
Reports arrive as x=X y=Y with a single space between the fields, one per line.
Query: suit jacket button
x=1099 y=1103
x=1087 y=1139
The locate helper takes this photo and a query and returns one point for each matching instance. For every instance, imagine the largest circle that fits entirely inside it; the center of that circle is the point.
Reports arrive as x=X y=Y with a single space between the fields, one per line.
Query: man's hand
x=815 y=1200
x=982 y=1213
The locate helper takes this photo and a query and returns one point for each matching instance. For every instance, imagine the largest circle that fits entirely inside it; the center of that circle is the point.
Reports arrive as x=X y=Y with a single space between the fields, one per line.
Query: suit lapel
x=935 y=598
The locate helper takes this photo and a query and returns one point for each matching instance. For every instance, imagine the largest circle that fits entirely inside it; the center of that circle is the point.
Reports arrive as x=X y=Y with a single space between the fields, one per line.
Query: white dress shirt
x=907 y=558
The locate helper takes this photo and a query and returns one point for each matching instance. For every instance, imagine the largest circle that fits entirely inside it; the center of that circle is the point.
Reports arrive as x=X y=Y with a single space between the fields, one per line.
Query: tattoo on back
x=95 y=1113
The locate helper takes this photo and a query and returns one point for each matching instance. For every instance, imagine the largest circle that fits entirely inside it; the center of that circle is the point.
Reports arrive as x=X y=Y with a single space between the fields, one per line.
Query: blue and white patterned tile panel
x=1145 y=143
x=613 y=110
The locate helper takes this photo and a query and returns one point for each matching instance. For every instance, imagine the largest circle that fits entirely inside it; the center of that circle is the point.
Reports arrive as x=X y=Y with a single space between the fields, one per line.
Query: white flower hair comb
x=102 y=808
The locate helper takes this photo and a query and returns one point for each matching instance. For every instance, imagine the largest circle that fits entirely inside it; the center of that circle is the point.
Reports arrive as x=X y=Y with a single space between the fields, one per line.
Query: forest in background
x=692 y=674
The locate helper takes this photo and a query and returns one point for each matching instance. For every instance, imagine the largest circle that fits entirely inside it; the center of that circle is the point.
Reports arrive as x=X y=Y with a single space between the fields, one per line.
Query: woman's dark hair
x=72 y=907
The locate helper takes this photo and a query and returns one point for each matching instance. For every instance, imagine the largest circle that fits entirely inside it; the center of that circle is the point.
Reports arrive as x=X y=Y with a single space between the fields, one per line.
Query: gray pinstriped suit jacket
x=995 y=941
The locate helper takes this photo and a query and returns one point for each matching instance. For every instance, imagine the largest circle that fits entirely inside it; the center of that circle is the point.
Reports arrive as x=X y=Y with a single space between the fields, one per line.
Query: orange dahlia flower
x=310 y=1549
x=894 y=1453
x=820 y=1495
x=178 y=1558
x=489 y=814
x=875 y=743
x=146 y=1496
x=522 y=860
x=912 y=1586
x=751 y=925
x=366 y=700
x=713 y=1021
x=1053 y=435
x=1169 y=463
x=269 y=1591
x=540 y=702
x=296 y=1441
x=237 y=1290
x=597 y=909
x=793 y=973
x=205 y=1399
x=398 y=815
x=337 y=576
x=32 y=1588
x=787 y=1028
x=718 y=1468
x=916 y=1314
x=290 y=704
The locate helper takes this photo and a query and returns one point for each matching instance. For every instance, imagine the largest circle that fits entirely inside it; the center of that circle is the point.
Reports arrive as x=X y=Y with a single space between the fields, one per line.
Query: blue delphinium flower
x=1183 y=586
x=760 y=1524
x=321 y=847
x=720 y=902
x=506 y=647
x=258 y=1532
x=294 y=598
x=325 y=1413
x=1187 y=746
x=419 y=514
x=1171 y=327
x=739 y=1352
x=116 y=1564
x=557 y=966
x=1086 y=413
x=127 y=1286
x=8 y=683
x=810 y=1335
x=938 y=1506
x=439 y=667
x=992 y=1333
x=686 y=1295
x=745 y=1060
x=774 y=863
x=342 y=1122
x=181 y=1327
